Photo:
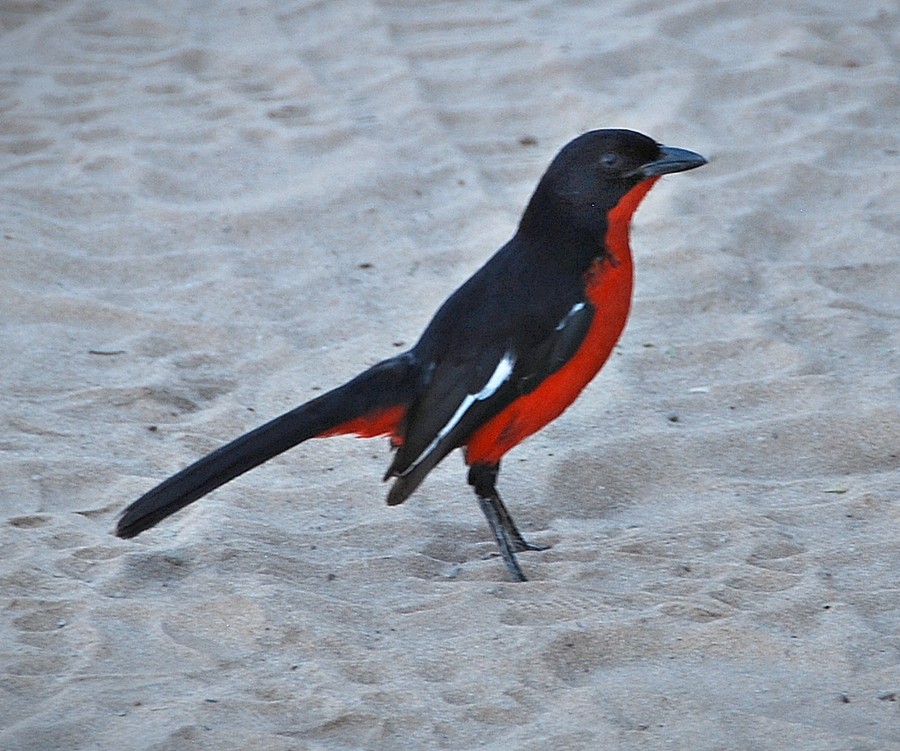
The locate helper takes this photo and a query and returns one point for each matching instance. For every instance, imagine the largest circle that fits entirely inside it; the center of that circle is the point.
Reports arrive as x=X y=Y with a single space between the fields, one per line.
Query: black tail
x=389 y=384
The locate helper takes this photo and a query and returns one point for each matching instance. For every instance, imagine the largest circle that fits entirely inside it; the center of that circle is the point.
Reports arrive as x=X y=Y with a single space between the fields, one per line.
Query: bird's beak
x=671 y=160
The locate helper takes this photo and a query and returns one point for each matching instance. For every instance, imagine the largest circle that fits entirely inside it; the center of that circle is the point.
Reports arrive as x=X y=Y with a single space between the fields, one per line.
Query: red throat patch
x=619 y=219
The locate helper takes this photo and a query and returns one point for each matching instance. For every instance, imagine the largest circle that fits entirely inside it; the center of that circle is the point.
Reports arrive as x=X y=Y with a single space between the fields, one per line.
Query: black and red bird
x=503 y=356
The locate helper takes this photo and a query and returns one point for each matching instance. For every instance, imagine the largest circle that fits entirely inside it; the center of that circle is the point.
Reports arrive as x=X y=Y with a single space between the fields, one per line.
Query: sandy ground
x=212 y=211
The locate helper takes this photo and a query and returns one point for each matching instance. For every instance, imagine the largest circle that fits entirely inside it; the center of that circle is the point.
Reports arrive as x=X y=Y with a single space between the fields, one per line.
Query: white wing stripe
x=500 y=376
x=576 y=308
x=503 y=371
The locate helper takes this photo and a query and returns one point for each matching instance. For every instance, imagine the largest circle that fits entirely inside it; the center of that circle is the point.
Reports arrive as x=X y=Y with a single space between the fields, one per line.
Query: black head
x=592 y=173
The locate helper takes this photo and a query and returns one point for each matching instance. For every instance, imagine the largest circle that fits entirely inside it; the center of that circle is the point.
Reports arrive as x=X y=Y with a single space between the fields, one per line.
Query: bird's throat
x=618 y=226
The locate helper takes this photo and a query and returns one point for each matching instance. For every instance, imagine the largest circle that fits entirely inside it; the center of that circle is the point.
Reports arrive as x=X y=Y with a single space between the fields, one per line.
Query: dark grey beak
x=671 y=160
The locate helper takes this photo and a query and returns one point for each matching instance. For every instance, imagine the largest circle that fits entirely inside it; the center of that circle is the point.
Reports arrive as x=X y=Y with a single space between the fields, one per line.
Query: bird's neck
x=618 y=225
x=576 y=241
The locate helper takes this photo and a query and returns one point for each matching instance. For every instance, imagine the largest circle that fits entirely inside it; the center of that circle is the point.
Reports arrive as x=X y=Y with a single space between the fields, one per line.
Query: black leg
x=506 y=550
x=519 y=543
x=483 y=478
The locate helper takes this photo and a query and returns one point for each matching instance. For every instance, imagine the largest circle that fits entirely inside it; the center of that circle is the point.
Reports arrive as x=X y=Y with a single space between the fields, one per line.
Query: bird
x=503 y=356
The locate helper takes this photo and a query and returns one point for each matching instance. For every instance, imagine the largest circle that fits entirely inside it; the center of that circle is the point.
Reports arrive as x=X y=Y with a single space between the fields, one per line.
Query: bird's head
x=594 y=172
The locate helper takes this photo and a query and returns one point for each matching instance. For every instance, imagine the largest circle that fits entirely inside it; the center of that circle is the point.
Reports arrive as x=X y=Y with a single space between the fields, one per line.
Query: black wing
x=475 y=371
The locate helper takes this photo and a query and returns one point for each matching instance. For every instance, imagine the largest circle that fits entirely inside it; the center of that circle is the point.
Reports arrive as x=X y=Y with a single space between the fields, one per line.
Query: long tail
x=371 y=404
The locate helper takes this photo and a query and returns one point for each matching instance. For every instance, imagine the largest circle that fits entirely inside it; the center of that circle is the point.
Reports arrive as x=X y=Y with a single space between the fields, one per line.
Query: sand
x=211 y=212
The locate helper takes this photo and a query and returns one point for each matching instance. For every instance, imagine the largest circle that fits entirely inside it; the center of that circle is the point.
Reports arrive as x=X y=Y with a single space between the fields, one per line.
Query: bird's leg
x=483 y=478
x=506 y=549
x=519 y=543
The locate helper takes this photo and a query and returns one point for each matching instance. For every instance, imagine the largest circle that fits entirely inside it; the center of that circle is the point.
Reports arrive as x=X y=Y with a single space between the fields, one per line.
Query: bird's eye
x=610 y=161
